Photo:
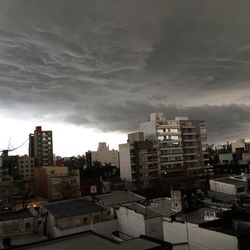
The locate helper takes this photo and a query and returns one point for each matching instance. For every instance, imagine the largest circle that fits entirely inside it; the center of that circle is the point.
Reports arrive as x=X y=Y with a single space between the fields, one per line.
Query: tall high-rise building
x=181 y=144
x=41 y=147
x=139 y=161
x=173 y=151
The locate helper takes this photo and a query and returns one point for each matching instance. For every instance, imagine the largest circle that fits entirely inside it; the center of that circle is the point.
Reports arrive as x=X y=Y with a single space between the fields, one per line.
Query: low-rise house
x=119 y=198
x=91 y=187
x=70 y=216
x=114 y=199
x=16 y=222
x=234 y=185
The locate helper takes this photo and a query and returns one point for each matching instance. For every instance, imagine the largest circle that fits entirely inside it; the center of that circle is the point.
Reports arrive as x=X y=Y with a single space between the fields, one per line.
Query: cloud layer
x=108 y=64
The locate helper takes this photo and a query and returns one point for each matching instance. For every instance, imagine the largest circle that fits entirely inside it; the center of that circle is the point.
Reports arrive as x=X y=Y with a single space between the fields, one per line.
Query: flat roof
x=140 y=209
x=92 y=241
x=71 y=208
x=15 y=215
x=218 y=196
x=232 y=181
x=162 y=206
x=119 y=197
x=197 y=216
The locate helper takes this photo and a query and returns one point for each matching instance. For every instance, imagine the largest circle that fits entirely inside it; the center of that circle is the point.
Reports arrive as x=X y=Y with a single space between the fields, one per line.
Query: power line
x=9 y=150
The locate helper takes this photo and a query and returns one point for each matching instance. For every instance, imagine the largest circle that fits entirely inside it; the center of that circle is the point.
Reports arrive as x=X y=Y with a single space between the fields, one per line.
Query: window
x=27 y=226
x=85 y=221
x=96 y=218
x=241 y=189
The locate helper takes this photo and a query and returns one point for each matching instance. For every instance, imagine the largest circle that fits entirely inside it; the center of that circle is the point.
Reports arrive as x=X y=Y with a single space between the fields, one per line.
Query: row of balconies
x=171 y=162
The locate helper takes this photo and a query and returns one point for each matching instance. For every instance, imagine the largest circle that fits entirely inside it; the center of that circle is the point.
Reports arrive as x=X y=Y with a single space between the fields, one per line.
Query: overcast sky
x=93 y=70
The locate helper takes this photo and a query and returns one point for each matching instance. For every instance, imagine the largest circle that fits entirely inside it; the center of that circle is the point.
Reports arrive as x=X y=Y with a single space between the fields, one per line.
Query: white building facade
x=182 y=147
x=105 y=156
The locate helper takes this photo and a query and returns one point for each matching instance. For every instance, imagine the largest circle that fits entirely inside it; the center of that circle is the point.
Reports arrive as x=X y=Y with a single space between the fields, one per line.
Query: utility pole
x=187 y=233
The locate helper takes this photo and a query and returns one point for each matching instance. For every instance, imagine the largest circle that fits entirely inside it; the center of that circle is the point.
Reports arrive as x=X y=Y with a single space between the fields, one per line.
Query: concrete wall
x=225 y=158
x=125 y=163
x=154 y=227
x=246 y=157
x=104 y=228
x=149 y=130
x=81 y=220
x=15 y=227
x=134 y=224
x=222 y=187
x=130 y=222
x=198 y=238
x=57 y=227
x=238 y=144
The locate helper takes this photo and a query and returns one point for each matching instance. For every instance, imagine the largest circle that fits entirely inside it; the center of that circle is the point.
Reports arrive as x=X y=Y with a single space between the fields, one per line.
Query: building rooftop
x=196 y=216
x=222 y=197
x=71 y=208
x=140 y=209
x=237 y=181
x=91 y=241
x=16 y=215
x=21 y=239
x=119 y=197
x=162 y=206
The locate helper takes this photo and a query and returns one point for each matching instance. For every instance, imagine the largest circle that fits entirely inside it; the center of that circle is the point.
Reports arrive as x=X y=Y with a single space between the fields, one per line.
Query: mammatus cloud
x=108 y=64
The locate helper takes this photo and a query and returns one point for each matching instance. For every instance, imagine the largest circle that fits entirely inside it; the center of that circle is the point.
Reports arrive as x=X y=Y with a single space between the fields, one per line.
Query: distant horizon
x=112 y=139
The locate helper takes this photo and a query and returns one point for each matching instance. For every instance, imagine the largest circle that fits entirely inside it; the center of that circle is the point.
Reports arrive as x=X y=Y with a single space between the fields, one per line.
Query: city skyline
x=91 y=71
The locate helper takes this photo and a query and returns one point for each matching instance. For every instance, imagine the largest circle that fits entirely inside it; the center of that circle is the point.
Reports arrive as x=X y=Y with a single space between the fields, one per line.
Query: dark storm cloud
x=107 y=64
x=223 y=121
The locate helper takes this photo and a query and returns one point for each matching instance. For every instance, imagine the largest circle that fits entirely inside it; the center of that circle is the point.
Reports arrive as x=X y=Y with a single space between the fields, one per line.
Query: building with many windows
x=139 y=161
x=26 y=166
x=57 y=183
x=165 y=149
x=41 y=147
x=8 y=165
x=105 y=156
x=181 y=141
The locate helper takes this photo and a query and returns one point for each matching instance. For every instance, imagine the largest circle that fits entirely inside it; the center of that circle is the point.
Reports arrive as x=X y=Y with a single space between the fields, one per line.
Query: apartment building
x=26 y=166
x=8 y=165
x=56 y=183
x=139 y=161
x=182 y=148
x=41 y=147
x=105 y=156
x=6 y=193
